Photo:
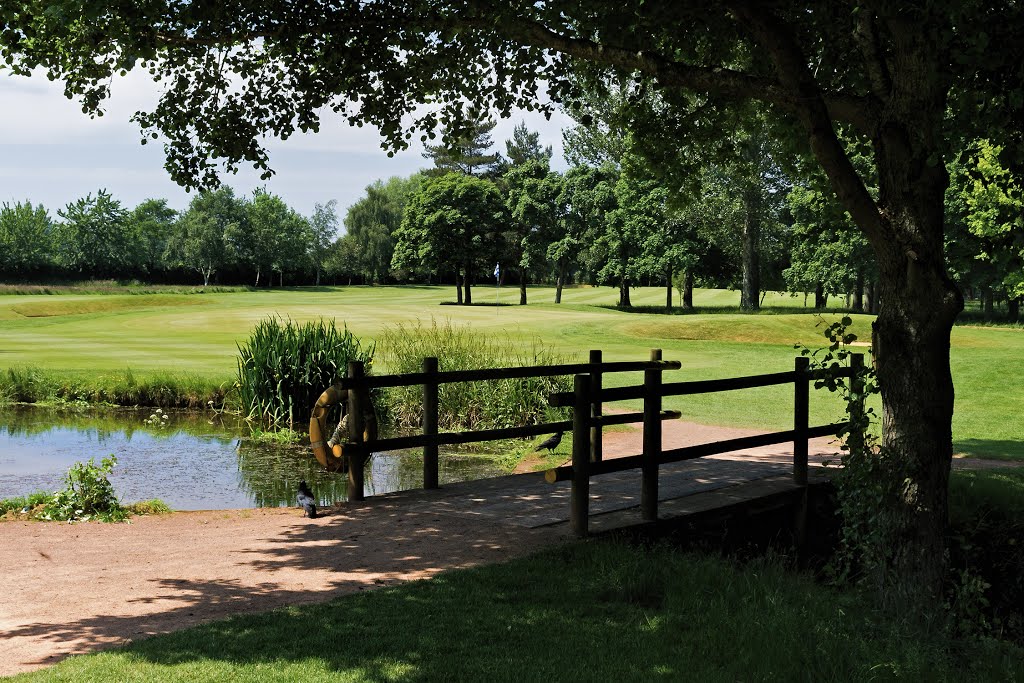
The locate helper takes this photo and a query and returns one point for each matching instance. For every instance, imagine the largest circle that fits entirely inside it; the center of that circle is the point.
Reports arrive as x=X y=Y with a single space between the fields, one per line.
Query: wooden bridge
x=593 y=492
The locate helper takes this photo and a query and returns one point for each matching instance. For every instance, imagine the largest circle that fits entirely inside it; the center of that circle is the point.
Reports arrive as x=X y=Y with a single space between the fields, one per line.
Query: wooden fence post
x=652 y=440
x=356 y=425
x=801 y=400
x=579 y=500
x=430 y=407
x=596 y=440
x=857 y=434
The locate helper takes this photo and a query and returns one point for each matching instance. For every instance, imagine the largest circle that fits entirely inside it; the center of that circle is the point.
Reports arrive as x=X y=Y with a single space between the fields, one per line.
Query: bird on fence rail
x=306 y=500
x=550 y=443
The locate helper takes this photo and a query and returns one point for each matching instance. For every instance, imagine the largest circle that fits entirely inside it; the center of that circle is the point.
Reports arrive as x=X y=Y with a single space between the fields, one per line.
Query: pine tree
x=467 y=152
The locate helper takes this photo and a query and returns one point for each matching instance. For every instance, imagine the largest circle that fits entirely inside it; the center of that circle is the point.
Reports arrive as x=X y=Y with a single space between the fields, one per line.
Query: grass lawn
x=195 y=335
x=595 y=611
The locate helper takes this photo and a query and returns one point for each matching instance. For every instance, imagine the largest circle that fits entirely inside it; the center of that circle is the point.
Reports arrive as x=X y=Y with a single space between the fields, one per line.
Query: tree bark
x=820 y=298
x=858 y=293
x=468 y=298
x=751 y=286
x=458 y=288
x=668 y=289
x=688 y=289
x=560 y=282
x=1013 y=310
x=988 y=303
x=522 y=287
x=624 y=292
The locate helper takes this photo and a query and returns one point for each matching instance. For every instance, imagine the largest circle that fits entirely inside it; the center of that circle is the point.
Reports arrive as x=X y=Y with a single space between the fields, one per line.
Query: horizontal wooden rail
x=449 y=438
x=628 y=418
x=418 y=378
x=630 y=462
x=707 y=386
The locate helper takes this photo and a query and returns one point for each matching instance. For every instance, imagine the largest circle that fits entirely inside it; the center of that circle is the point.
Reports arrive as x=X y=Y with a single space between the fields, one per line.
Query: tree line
x=745 y=216
x=220 y=237
x=749 y=220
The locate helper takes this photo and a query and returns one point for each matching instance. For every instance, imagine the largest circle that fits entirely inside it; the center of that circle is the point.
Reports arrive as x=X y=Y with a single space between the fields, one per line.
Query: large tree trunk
x=688 y=289
x=624 y=292
x=458 y=288
x=751 y=286
x=988 y=305
x=560 y=283
x=820 y=298
x=468 y=298
x=1013 y=310
x=919 y=301
x=522 y=287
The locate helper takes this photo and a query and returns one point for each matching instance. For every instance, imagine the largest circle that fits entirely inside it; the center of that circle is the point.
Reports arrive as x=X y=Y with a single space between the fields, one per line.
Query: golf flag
x=497 y=271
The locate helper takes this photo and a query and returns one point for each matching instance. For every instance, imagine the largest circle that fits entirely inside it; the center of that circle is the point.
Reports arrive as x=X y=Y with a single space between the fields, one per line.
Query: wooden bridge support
x=430 y=410
x=651 y=441
x=579 y=496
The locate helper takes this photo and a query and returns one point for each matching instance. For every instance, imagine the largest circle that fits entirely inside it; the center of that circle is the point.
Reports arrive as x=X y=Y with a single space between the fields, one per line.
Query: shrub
x=87 y=494
x=284 y=367
x=472 y=405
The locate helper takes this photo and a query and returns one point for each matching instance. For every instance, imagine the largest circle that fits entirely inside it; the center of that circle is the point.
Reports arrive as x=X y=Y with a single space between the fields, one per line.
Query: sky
x=52 y=154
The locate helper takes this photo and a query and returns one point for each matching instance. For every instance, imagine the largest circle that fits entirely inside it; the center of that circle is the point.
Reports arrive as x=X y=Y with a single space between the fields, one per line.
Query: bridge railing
x=651 y=392
x=587 y=400
x=430 y=379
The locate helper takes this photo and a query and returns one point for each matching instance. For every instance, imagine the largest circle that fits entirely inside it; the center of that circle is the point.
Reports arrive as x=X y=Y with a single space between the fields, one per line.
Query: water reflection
x=194 y=462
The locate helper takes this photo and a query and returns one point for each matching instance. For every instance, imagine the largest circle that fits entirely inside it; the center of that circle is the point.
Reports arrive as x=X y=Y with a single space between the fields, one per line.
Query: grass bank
x=94 y=339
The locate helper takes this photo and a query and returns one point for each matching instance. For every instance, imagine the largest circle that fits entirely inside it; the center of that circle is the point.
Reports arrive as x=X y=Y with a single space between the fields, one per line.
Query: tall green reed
x=489 y=404
x=284 y=367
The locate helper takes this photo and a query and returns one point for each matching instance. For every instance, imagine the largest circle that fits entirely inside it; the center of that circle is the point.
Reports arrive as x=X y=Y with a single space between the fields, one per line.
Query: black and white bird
x=550 y=443
x=307 y=501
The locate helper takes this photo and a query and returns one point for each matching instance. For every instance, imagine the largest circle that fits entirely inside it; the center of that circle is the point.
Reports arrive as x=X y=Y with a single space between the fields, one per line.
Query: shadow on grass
x=711 y=310
x=485 y=304
x=994 y=449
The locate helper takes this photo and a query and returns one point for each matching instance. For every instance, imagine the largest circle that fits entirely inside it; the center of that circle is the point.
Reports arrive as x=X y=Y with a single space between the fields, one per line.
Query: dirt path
x=73 y=588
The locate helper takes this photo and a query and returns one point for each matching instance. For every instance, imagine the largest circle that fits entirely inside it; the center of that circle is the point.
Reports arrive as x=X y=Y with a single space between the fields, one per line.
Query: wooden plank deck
x=526 y=500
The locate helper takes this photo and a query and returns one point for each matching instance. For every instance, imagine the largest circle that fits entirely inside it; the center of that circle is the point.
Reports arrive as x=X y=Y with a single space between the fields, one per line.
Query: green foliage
x=26 y=239
x=986 y=589
x=285 y=366
x=199 y=242
x=94 y=237
x=27 y=503
x=869 y=484
x=154 y=506
x=471 y=405
x=453 y=221
x=87 y=494
x=372 y=221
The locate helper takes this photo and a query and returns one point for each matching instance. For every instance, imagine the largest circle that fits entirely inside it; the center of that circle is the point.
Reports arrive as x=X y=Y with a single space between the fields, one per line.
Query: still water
x=191 y=461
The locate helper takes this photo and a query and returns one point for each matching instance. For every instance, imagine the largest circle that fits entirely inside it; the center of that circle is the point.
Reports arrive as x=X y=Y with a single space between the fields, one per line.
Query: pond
x=192 y=461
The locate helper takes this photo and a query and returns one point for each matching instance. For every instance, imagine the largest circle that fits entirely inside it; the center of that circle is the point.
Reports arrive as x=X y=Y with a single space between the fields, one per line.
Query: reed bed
x=470 y=405
x=31 y=384
x=285 y=366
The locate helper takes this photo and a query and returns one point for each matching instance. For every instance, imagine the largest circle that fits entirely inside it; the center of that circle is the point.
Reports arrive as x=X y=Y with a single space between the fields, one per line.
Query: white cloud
x=52 y=153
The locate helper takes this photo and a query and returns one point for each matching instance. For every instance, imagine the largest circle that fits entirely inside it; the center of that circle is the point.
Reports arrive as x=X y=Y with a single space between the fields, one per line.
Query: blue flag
x=497 y=271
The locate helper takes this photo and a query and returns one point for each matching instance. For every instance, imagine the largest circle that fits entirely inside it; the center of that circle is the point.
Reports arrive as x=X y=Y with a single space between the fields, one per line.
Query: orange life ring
x=330 y=452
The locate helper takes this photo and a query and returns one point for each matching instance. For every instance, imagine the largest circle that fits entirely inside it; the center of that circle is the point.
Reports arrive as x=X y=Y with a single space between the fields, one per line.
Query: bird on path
x=550 y=443
x=306 y=500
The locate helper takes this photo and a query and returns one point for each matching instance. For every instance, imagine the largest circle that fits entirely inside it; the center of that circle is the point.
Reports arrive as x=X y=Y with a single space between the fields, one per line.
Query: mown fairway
x=196 y=334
